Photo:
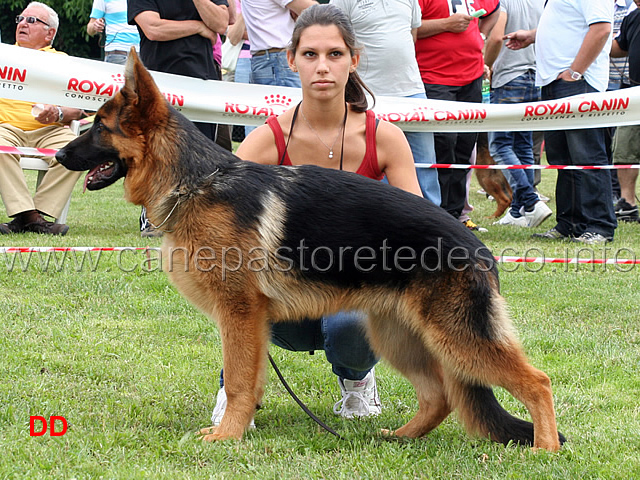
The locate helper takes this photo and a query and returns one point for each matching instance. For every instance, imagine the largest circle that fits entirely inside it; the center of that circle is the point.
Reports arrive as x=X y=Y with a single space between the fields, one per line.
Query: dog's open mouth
x=103 y=175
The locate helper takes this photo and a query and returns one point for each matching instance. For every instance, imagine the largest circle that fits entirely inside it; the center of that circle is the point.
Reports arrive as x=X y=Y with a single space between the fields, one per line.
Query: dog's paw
x=550 y=448
x=214 y=434
x=207 y=434
x=210 y=434
x=207 y=431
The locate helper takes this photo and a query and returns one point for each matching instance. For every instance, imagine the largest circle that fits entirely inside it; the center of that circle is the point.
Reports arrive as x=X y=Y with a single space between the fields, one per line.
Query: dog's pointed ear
x=140 y=89
x=129 y=90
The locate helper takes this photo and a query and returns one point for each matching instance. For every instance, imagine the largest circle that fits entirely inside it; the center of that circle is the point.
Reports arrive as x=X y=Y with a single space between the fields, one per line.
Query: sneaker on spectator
x=509 y=219
x=592 y=238
x=541 y=197
x=625 y=212
x=551 y=234
x=472 y=226
x=221 y=407
x=359 y=397
x=538 y=215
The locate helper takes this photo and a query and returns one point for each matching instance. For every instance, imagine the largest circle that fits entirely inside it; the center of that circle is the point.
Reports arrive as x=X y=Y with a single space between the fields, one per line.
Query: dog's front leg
x=245 y=343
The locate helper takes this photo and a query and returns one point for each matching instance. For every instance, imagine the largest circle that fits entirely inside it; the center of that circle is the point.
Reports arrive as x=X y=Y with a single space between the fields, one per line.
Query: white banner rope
x=41 y=77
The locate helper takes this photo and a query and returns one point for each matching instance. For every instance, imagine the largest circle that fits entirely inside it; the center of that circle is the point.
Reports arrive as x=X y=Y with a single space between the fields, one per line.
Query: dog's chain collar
x=157 y=227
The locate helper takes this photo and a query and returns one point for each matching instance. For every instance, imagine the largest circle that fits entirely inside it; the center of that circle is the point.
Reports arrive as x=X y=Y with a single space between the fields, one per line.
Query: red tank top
x=369 y=166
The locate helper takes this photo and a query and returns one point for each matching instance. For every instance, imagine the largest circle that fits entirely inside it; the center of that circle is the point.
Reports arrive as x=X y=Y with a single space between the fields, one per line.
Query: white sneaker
x=542 y=197
x=359 y=397
x=509 y=219
x=221 y=407
x=538 y=215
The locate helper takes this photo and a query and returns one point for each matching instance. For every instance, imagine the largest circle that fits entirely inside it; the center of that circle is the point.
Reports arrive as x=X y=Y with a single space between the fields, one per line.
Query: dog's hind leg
x=245 y=343
x=404 y=351
x=533 y=388
x=478 y=349
x=481 y=413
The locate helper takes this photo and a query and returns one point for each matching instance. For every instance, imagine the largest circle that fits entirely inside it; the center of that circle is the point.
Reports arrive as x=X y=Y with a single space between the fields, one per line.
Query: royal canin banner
x=41 y=77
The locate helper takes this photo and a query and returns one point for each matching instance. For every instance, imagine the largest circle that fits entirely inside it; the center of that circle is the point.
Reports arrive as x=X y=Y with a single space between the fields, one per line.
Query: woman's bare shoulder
x=390 y=140
x=259 y=146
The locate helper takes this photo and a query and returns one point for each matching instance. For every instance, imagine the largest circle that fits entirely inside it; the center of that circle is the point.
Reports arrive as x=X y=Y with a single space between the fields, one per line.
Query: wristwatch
x=60 y=115
x=575 y=75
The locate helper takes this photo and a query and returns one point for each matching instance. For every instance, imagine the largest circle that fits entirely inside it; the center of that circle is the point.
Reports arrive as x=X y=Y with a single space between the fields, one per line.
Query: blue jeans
x=273 y=69
x=243 y=71
x=115 y=58
x=423 y=150
x=243 y=75
x=341 y=336
x=516 y=148
x=583 y=197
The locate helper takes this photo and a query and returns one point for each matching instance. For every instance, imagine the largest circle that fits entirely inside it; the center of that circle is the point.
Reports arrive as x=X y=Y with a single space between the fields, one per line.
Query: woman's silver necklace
x=316 y=134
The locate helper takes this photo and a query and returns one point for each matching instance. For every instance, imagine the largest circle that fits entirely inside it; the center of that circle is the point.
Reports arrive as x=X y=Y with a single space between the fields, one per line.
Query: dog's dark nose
x=61 y=156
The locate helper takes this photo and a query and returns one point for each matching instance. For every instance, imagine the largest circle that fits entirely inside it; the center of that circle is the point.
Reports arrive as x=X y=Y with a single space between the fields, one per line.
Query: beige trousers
x=57 y=183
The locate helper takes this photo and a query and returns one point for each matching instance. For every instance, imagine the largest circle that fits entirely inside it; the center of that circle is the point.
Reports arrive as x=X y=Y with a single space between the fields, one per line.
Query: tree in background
x=72 y=37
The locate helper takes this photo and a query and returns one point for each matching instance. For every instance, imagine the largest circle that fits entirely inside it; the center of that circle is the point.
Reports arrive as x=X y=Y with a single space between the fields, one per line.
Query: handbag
x=230 y=53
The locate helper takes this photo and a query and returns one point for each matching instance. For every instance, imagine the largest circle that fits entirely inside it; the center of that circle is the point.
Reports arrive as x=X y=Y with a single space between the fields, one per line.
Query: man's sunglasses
x=20 y=18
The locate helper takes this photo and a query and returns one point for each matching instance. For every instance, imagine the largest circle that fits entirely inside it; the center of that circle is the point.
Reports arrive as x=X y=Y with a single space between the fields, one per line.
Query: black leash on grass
x=299 y=402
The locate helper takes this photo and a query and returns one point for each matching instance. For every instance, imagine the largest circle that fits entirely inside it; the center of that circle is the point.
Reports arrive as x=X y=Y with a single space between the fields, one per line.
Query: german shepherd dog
x=260 y=244
x=492 y=181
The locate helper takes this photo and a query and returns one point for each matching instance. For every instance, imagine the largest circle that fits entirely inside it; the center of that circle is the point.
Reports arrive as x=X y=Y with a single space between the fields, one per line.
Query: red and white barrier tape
x=499 y=259
x=45 y=152
x=48 y=152
x=6 y=250
x=596 y=261
x=526 y=167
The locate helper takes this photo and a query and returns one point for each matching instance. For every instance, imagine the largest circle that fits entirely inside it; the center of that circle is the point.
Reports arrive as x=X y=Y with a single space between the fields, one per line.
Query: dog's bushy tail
x=482 y=415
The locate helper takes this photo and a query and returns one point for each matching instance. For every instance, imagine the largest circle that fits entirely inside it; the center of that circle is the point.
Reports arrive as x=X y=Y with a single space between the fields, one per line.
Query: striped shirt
x=619 y=67
x=120 y=35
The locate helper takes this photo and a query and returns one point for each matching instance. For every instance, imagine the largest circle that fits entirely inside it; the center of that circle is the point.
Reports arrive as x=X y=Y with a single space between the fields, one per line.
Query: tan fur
x=417 y=329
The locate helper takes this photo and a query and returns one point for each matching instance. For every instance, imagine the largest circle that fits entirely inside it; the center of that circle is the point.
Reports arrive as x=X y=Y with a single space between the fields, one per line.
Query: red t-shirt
x=452 y=58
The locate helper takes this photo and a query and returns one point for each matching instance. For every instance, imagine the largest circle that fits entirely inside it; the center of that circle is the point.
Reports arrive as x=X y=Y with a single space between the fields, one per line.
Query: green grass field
x=133 y=368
